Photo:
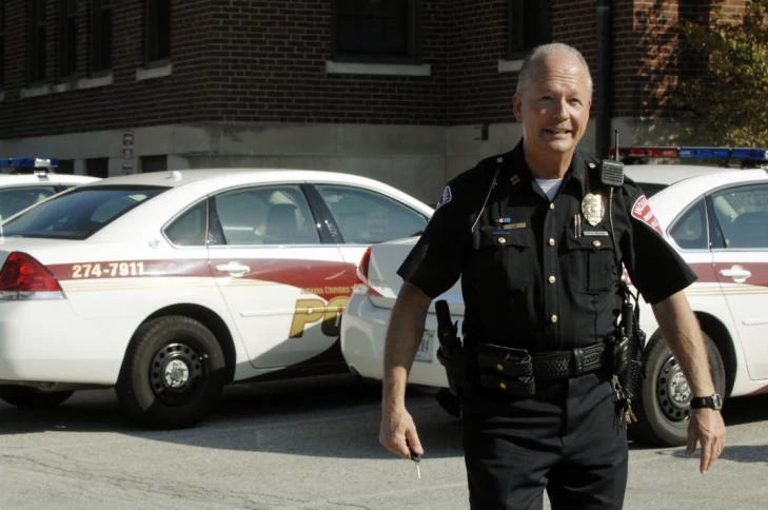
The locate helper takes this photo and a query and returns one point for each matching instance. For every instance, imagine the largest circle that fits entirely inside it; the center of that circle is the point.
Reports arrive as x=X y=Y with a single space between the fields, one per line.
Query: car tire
x=26 y=397
x=663 y=410
x=172 y=375
x=450 y=403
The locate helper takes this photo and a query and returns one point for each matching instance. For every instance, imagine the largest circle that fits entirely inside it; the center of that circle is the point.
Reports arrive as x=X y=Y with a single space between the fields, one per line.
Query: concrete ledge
x=510 y=66
x=151 y=73
x=333 y=67
x=35 y=91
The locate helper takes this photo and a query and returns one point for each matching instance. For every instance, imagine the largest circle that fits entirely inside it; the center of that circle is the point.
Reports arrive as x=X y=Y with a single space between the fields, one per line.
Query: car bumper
x=44 y=341
x=363 y=330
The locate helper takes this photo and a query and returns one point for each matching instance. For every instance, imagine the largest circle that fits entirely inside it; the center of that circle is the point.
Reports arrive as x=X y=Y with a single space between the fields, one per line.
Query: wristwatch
x=712 y=402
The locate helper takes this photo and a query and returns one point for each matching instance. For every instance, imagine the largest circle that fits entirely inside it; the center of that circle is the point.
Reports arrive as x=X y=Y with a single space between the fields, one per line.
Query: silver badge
x=592 y=208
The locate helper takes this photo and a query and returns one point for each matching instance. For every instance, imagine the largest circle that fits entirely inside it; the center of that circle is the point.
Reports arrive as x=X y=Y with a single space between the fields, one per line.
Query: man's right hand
x=397 y=433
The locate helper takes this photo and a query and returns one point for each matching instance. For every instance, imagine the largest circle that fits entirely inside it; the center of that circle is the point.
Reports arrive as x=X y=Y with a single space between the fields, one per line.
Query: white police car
x=716 y=218
x=26 y=181
x=170 y=285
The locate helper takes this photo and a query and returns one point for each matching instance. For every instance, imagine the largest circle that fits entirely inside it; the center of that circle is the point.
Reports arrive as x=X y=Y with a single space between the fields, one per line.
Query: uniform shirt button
x=499 y=160
x=553 y=319
x=551 y=241
x=551 y=279
x=551 y=205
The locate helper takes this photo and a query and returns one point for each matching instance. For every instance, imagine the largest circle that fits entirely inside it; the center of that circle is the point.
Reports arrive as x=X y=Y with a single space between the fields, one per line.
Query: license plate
x=425 y=353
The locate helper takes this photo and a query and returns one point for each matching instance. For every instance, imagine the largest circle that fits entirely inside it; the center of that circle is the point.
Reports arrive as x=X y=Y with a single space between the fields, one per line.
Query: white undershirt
x=549 y=186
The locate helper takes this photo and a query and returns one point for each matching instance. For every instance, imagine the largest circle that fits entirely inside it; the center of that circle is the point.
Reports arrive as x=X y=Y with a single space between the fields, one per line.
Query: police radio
x=612 y=171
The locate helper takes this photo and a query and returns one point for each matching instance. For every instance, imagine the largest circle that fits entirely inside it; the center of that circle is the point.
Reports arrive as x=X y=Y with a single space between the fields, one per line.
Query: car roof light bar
x=727 y=153
x=29 y=163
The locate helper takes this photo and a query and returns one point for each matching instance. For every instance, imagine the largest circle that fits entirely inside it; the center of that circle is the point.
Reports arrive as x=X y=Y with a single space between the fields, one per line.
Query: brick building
x=407 y=91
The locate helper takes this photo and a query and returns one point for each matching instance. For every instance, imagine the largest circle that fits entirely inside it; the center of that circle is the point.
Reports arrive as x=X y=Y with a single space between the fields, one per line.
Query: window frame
x=412 y=55
x=36 y=41
x=67 y=39
x=101 y=36
x=2 y=45
x=157 y=39
x=525 y=16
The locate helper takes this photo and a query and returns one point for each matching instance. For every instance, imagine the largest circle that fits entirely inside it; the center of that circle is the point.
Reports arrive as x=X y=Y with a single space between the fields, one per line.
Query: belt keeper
x=578 y=360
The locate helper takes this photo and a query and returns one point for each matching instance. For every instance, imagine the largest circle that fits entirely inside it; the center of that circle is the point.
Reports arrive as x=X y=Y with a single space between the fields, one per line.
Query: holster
x=455 y=364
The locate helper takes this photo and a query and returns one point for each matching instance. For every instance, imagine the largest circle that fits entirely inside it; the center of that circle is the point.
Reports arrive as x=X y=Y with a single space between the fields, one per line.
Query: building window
x=530 y=24
x=2 y=44
x=36 y=35
x=67 y=46
x=377 y=30
x=157 y=30
x=97 y=167
x=65 y=166
x=154 y=163
x=101 y=35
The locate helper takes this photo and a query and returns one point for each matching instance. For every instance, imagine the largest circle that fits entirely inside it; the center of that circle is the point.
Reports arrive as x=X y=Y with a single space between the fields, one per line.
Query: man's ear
x=517 y=102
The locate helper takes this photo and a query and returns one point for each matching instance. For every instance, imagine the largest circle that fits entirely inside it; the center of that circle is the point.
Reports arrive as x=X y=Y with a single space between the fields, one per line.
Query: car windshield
x=80 y=213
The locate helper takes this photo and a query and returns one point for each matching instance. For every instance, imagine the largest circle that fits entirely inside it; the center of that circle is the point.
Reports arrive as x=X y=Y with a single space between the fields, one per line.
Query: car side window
x=690 y=231
x=742 y=213
x=265 y=215
x=189 y=228
x=367 y=217
x=15 y=199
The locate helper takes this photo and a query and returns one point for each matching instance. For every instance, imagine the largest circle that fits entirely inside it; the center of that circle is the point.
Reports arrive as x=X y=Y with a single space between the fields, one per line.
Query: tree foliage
x=723 y=87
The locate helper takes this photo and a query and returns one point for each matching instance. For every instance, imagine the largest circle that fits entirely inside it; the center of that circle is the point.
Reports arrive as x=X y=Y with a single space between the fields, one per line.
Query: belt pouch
x=506 y=369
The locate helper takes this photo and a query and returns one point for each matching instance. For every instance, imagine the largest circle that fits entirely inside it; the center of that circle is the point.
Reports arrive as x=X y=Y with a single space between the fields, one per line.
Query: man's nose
x=560 y=109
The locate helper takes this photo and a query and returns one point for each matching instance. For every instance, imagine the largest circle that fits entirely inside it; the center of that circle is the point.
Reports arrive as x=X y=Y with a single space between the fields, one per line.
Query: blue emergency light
x=725 y=153
x=29 y=163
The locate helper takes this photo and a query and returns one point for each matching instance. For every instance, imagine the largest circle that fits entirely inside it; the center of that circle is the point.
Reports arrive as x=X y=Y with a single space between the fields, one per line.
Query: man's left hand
x=707 y=428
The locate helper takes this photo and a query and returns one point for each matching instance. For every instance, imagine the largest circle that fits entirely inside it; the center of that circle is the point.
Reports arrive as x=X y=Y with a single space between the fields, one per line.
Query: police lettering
x=311 y=310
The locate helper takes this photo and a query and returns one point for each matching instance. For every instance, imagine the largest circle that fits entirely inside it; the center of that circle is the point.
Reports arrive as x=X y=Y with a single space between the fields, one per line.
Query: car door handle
x=738 y=273
x=233 y=268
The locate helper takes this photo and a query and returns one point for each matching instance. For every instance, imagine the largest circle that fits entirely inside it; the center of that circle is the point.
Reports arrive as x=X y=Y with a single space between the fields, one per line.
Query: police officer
x=537 y=236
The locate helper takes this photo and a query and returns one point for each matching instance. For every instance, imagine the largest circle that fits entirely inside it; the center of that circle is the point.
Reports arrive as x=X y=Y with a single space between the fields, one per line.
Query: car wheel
x=173 y=373
x=663 y=410
x=450 y=403
x=32 y=398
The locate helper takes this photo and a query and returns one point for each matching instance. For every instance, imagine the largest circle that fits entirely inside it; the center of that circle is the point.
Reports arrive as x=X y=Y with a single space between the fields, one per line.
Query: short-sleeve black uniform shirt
x=536 y=274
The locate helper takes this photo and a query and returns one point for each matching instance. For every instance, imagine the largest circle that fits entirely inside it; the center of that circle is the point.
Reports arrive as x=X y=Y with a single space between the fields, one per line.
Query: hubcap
x=672 y=391
x=175 y=368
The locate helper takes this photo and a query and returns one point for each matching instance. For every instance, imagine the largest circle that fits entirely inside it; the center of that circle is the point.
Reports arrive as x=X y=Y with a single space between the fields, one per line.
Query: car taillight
x=22 y=273
x=362 y=283
x=361 y=276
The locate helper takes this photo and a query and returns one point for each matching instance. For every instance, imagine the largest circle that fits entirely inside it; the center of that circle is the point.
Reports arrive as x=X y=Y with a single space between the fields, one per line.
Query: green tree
x=723 y=88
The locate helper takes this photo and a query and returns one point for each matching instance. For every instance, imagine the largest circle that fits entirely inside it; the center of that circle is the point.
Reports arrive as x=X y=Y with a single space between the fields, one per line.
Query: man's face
x=554 y=107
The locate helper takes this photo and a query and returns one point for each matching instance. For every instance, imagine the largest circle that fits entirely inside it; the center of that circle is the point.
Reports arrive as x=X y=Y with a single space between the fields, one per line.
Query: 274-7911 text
x=107 y=269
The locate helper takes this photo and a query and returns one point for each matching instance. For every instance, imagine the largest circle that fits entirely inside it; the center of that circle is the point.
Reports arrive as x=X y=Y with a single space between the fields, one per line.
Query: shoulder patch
x=444 y=198
x=642 y=211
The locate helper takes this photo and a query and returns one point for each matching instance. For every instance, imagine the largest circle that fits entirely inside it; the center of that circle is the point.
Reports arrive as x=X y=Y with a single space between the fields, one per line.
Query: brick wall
x=254 y=61
x=233 y=61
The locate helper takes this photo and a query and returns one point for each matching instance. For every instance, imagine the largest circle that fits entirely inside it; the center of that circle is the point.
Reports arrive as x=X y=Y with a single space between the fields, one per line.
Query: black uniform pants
x=566 y=439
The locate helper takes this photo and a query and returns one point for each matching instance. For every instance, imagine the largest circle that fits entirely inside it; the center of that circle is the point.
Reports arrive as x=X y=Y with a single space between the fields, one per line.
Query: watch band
x=714 y=401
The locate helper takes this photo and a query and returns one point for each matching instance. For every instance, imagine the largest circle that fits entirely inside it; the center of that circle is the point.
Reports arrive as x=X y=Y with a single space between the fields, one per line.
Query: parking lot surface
x=312 y=445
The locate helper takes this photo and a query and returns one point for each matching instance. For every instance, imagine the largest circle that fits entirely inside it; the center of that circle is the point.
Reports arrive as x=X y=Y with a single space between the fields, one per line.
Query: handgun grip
x=442 y=311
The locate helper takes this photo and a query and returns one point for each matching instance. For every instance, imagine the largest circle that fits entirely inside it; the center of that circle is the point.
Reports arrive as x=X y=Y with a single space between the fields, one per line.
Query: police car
x=26 y=181
x=718 y=221
x=169 y=285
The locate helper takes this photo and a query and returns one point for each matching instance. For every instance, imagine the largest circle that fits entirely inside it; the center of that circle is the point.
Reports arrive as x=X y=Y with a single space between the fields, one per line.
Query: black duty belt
x=516 y=371
x=567 y=364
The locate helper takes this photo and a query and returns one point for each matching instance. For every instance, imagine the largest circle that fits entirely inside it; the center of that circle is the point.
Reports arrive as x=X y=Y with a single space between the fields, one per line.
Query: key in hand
x=415 y=457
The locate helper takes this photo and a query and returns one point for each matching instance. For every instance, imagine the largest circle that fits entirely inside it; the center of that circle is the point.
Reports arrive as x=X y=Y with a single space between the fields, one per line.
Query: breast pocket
x=590 y=263
x=507 y=254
